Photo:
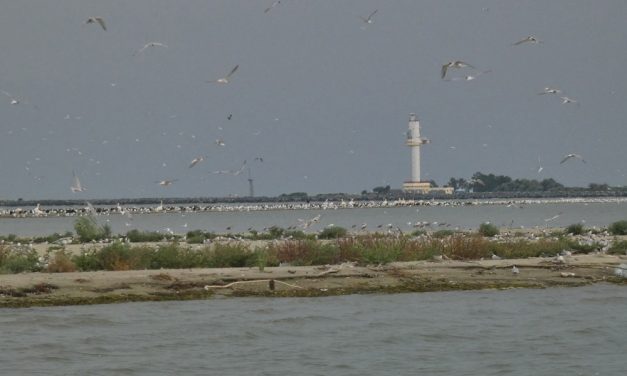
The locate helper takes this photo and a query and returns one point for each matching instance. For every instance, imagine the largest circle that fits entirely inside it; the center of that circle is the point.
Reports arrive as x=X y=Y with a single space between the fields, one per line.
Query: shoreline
x=79 y=288
x=35 y=210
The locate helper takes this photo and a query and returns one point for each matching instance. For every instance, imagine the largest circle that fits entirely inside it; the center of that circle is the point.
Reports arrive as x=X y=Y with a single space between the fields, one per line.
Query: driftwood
x=207 y=287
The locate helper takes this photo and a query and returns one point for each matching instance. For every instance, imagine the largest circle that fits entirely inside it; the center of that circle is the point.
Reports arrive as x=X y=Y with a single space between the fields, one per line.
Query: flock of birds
x=446 y=73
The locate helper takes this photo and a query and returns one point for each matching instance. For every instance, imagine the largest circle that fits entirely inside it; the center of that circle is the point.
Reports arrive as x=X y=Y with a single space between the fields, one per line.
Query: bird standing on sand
x=515 y=270
x=98 y=20
x=454 y=64
x=529 y=39
x=225 y=80
x=572 y=155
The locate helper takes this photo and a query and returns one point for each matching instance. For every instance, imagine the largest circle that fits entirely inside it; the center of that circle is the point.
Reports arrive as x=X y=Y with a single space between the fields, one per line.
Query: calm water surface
x=560 y=331
x=464 y=217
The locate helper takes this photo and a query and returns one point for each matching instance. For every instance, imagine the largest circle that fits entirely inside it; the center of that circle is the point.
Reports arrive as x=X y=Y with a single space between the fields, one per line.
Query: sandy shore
x=47 y=289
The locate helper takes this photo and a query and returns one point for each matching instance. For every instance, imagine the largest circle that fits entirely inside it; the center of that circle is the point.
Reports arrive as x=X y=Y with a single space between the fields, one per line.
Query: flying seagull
x=550 y=90
x=195 y=161
x=529 y=39
x=469 y=77
x=225 y=80
x=99 y=20
x=569 y=156
x=13 y=99
x=220 y=142
x=540 y=168
x=566 y=100
x=368 y=19
x=231 y=172
x=454 y=64
x=166 y=182
x=277 y=2
x=150 y=44
x=76 y=184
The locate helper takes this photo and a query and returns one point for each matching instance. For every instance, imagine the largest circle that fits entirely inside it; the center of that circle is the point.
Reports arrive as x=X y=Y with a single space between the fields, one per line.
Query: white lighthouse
x=414 y=141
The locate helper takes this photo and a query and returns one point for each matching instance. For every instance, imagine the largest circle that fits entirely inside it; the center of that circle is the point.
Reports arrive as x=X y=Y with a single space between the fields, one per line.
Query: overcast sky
x=320 y=95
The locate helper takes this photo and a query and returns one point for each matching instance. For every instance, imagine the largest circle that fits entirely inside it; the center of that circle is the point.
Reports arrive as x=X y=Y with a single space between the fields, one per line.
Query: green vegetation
x=18 y=260
x=88 y=230
x=136 y=236
x=442 y=234
x=333 y=232
x=575 y=229
x=488 y=230
x=618 y=228
x=618 y=248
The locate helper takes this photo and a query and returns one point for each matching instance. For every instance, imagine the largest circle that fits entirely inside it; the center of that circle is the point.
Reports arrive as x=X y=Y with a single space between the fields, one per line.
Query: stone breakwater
x=74 y=211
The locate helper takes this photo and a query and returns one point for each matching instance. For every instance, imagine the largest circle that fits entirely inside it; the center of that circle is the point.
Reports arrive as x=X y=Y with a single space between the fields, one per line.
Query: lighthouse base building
x=414 y=141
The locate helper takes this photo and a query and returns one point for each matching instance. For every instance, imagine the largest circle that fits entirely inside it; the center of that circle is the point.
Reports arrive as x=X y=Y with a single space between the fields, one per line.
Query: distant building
x=414 y=141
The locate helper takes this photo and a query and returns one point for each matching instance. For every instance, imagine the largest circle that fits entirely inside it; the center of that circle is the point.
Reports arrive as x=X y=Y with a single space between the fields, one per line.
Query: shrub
x=87 y=229
x=230 y=256
x=442 y=234
x=305 y=252
x=88 y=261
x=618 y=248
x=332 y=232
x=618 y=228
x=18 y=261
x=136 y=236
x=575 y=229
x=51 y=238
x=488 y=230
x=61 y=262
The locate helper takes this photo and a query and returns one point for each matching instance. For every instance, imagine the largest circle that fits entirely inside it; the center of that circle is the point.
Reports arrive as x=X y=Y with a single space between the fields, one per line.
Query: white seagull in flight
x=569 y=156
x=166 y=182
x=550 y=90
x=76 y=184
x=195 y=161
x=231 y=172
x=225 y=80
x=368 y=19
x=454 y=64
x=277 y=2
x=529 y=39
x=148 y=45
x=98 y=20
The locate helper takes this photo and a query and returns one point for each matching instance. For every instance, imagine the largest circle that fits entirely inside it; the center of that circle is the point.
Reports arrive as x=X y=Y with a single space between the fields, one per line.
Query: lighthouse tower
x=414 y=141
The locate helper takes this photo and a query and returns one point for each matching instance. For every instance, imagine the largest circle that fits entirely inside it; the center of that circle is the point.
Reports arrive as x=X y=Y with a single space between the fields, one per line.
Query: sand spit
x=52 y=289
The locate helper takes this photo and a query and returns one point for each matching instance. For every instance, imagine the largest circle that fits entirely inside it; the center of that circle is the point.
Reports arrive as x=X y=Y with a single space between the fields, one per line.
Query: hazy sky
x=320 y=95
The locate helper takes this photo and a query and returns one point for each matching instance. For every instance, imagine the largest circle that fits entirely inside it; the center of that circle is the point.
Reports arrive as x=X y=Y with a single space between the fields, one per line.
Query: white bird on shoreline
x=225 y=80
x=515 y=270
